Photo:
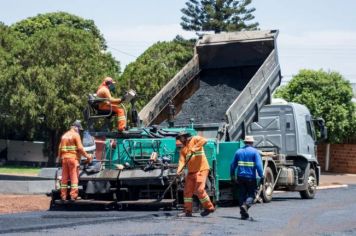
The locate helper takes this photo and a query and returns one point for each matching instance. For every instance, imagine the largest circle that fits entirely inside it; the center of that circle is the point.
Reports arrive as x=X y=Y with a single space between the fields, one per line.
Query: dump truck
x=222 y=93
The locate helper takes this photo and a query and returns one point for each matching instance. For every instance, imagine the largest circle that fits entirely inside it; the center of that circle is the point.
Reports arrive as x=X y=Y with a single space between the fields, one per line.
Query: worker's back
x=247 y=160
x=69 y=144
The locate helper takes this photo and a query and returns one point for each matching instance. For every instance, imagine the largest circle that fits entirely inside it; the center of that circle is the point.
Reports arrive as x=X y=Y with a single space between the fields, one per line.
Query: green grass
x=23 y=170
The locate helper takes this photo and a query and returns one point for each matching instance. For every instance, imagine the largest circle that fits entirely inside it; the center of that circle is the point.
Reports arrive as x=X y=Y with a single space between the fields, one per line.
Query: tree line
x=51 y=62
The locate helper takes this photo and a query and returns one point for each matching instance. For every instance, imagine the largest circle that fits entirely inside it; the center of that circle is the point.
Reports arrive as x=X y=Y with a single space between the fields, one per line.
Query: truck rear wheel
x=267 y=190
x=309 y=193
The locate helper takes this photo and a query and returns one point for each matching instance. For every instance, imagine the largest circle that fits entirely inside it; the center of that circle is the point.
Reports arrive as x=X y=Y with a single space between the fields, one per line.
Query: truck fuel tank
x=288 y=176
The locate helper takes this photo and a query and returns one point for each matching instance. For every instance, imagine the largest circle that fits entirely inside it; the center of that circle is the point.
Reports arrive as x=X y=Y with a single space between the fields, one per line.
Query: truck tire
x=267 y=190
x=309 y=193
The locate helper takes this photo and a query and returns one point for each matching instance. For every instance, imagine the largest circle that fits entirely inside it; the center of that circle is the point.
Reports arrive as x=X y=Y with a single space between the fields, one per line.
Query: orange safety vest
x=198 y=160
x=71 y=145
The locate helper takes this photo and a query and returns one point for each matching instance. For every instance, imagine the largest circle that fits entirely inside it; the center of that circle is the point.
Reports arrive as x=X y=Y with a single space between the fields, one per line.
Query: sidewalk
x=28 y=184
x=329 y=179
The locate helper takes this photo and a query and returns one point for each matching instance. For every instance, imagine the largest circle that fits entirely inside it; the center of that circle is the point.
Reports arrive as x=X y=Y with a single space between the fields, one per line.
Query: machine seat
x=94 y=102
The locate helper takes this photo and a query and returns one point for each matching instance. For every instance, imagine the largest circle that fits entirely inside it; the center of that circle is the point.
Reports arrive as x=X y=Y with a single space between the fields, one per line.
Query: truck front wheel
x=309 y=193
x=267 y=190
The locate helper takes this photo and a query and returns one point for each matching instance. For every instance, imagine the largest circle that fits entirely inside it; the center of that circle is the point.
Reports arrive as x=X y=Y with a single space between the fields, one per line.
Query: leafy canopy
x=41 y=22
x=218 y=15
x=45 y=78
x=327 y=95
x=155 y=67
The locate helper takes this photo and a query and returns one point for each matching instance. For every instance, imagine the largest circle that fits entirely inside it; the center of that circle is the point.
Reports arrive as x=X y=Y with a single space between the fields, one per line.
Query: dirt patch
x=23 y=203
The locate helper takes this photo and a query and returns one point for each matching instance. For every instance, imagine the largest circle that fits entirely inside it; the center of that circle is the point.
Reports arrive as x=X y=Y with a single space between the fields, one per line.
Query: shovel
x=260 y=188
x=160 y=198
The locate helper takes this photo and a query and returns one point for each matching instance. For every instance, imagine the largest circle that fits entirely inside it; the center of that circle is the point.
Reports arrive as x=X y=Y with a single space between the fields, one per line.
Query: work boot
x=243 y=212
x=185 y=214
x=206 y=212
x=76 y=198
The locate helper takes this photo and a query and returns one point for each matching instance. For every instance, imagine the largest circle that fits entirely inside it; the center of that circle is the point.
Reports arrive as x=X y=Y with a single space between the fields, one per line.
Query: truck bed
x=231 y=76
x=218 y=89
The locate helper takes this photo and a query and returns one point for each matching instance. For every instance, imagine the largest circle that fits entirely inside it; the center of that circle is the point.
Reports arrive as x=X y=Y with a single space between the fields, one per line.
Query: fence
x=342 y=158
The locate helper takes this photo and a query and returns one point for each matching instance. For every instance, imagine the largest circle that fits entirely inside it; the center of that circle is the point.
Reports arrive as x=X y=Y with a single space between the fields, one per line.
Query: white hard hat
x=249 y=139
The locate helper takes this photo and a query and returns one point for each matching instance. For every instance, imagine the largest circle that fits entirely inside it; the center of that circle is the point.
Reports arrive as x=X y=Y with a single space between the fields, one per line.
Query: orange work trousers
x=70 y=170
x=119 y=112
x=195 y=184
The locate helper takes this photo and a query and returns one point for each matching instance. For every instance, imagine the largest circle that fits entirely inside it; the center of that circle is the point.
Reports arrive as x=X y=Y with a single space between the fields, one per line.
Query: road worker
x=70 y=151
x=193 y=157
x=247 y=160
x=114 y=104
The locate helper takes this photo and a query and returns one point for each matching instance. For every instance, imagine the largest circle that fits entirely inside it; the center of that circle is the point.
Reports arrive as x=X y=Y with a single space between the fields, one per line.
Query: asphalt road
x=332 y=212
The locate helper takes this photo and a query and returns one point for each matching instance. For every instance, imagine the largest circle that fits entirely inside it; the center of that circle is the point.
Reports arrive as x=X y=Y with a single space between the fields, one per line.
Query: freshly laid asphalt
x=332 y=212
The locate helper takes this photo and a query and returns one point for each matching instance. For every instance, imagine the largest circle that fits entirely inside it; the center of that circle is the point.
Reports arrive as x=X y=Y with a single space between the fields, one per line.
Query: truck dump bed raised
x=230 y=77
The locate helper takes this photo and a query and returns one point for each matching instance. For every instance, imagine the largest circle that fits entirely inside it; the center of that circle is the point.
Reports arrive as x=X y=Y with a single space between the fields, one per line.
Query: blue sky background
x=313 y=34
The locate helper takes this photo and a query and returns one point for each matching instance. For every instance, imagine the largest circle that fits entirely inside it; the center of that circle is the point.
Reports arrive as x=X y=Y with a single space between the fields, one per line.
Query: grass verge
x=22 y=170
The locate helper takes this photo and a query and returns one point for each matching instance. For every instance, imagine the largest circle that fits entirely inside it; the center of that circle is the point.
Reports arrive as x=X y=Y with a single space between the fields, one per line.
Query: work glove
x=124 y=98
x=194 y=149
x=262 y=180
x=119 y=167
x=59 y=161
x=233 y=179
x=89 y=159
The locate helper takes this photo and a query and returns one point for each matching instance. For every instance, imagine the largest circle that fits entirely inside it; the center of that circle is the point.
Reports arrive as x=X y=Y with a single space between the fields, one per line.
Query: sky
x=317 y=34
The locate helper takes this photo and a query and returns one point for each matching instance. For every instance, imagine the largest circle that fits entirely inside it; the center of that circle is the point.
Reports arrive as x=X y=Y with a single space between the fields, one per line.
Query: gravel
x=218 y=89
x=23 y=203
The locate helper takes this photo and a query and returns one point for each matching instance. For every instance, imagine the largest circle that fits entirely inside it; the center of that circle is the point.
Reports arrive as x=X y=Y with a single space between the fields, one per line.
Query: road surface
x=333 y=212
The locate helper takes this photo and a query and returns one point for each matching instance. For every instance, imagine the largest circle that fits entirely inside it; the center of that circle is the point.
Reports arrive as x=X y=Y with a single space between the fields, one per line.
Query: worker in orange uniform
x=70 y=151
x=107 y=86
x=192 y=155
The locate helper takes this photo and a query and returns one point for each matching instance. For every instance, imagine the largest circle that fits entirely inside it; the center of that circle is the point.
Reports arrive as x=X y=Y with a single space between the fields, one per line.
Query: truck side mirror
x=323 y=130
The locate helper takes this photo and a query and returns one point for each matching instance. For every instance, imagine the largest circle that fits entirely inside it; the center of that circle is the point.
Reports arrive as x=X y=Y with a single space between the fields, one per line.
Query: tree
x=8 y=45
x=327 y=95
x=45 y=83
x=218 y=15
x=40 y=22
x=155 y=67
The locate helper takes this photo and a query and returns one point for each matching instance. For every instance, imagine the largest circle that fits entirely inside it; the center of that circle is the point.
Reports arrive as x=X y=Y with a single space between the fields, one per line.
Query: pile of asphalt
x=218 y=90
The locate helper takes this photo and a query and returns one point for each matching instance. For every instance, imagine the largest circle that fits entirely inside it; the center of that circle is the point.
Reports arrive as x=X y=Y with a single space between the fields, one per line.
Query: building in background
x=22 y=153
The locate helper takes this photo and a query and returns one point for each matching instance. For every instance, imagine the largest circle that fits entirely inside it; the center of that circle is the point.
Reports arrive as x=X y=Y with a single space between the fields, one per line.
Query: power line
x=126 y=53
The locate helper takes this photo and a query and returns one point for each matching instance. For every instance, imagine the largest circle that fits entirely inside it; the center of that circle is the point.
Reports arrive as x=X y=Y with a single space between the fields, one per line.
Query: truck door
x=310 y=137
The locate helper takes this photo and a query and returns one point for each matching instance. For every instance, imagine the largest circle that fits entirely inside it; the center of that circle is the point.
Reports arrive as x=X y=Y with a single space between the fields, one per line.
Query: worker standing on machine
x=247 y=160
x=114 y=104
x=192 y=155
x=70 y=151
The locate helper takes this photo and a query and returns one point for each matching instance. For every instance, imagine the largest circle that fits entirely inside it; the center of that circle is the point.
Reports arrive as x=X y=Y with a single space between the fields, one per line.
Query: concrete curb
x=26 y=187
x=322 y=187
x=28 y=184
x=332 y=186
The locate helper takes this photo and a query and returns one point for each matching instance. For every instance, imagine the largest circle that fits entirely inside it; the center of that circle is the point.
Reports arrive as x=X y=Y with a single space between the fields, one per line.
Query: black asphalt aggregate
x=217 y=91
